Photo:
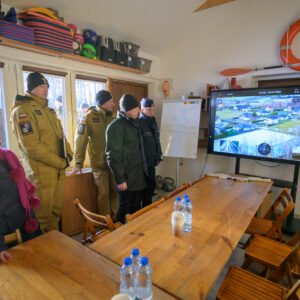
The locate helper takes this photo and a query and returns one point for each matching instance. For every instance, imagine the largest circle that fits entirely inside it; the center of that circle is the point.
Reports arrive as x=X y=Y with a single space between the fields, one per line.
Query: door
x=119 y=88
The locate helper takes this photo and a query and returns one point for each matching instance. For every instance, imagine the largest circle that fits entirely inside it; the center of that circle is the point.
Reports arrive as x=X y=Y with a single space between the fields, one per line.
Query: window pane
x=3 y=121
x=86 y=91
x=56 y=95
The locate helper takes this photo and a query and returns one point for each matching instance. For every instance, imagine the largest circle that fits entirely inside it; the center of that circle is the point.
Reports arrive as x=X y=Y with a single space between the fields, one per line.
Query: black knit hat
x=35 y=79
x=128 y=102
x=102 y=97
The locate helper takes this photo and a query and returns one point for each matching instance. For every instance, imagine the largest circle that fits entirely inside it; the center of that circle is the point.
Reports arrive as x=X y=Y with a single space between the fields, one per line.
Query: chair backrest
x=130 y=217
x=13 y=237
x=282 y=207
x=94 y=221
x=285 y=202
x=293 y=292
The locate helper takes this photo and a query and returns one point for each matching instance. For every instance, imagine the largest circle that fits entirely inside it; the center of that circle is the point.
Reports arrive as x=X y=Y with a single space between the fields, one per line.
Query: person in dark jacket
x=125 y=156
x=17 y=198
x=153 y=153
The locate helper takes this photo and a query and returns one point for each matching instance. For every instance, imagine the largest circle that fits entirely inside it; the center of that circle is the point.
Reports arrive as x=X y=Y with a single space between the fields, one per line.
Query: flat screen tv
x=259 y=123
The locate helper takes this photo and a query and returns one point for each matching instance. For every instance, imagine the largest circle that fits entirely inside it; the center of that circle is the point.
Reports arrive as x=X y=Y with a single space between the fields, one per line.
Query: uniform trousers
x=49 y=211
x=107 y=193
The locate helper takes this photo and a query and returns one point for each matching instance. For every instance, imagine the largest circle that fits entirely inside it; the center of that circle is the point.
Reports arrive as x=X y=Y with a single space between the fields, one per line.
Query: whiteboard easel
x=179 y=131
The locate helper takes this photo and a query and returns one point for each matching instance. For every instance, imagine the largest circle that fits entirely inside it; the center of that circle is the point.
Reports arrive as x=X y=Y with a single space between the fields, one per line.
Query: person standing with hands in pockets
x=125 y=156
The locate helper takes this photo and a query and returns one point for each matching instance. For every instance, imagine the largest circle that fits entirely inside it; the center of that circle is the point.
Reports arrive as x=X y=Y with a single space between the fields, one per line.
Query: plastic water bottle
x=178 y=204
x=144 y=280
x=127 y=285
x=187 y=214
x=135 y=256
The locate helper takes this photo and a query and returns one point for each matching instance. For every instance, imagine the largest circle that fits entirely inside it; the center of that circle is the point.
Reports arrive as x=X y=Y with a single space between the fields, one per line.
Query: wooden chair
x=279 y=211
x=240 y=284
x=93 y=222
x=13 y=237
x=130 y=217
x=274 y=256
x=177 y=191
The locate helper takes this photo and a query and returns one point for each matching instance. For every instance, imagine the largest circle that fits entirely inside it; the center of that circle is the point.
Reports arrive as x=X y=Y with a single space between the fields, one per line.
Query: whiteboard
x=179 y=130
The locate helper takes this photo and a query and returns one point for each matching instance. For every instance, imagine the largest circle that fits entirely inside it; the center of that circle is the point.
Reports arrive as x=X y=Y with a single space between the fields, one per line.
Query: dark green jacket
x=124 y=152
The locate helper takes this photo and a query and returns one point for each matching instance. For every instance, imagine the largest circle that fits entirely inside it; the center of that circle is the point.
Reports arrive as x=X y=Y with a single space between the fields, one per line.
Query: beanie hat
x=128 y=102
x=147 y=102
x=102 y=97
x=35 y=79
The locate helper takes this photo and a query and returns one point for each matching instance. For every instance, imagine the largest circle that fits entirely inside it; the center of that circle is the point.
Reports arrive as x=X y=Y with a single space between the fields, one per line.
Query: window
x=86 y=89
x=56 y=94
x=3 y=121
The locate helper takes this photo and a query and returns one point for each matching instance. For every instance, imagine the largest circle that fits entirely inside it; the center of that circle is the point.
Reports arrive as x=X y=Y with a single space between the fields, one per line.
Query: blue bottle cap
x=135 y=252
x=144 y=260
x=185 y=196
x=178 y=198
x=127 y=261
x=187 y=200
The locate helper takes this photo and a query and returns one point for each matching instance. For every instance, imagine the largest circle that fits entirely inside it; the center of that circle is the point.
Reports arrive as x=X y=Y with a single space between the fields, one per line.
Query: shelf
x=38 y=49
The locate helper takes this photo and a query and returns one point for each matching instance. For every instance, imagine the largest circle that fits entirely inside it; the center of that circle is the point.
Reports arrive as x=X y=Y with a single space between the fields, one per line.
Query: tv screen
x=261 y=123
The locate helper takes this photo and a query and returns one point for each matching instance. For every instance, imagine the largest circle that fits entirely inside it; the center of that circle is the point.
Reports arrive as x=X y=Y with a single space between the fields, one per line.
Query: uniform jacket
x=124 y=152
x=91 y=132
x=150 y=133
x=41 y=139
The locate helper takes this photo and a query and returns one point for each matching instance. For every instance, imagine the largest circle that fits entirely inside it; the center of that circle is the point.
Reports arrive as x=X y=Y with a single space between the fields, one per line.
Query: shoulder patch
x=26 y=128
x=81 y=128
x=38 y=112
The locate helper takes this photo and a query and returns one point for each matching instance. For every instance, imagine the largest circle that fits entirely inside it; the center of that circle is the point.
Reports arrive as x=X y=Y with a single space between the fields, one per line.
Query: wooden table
x=187 y=267
x=53 y=266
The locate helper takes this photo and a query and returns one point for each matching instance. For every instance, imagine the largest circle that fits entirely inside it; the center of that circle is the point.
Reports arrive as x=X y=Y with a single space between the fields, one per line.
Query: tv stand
x=292 y=225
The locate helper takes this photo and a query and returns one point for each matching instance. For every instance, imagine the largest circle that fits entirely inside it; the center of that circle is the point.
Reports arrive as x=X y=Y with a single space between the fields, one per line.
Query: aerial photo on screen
x=263 y=125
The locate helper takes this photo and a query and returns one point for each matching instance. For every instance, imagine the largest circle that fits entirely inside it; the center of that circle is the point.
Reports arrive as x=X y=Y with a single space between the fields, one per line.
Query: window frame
x=4 y=125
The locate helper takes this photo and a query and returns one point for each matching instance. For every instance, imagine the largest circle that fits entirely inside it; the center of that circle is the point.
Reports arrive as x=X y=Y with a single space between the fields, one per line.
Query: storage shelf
x=37 y=49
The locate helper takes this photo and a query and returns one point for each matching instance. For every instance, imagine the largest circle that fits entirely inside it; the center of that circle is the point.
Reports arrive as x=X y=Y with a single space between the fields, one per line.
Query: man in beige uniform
x=91 y=131
x=45 y=152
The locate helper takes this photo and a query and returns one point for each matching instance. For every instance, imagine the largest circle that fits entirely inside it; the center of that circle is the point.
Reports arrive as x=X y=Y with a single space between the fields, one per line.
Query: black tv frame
x=212 y=115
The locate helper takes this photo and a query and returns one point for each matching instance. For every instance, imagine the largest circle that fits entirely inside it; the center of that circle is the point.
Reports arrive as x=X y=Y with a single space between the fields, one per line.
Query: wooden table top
x=188 y=266
x=53 y=266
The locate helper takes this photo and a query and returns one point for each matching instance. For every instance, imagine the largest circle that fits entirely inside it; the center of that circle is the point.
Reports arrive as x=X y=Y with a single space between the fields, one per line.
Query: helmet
x=90 y=36
x=88 y=50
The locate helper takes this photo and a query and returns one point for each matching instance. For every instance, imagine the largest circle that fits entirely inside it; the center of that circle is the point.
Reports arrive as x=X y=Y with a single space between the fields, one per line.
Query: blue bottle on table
x=188 y=208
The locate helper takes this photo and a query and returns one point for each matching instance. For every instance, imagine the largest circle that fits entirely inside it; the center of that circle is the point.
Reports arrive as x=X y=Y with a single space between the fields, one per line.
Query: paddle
x=241 y=71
